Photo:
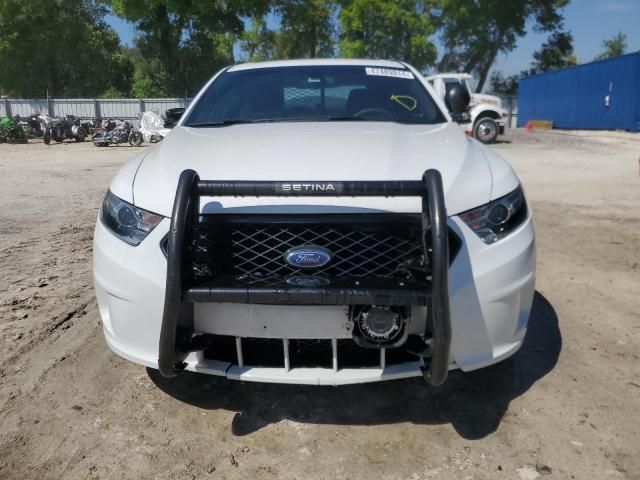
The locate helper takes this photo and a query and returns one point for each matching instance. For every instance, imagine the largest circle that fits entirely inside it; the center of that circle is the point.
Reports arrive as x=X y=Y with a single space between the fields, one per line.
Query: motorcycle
x=31 y=125
x=46 y=124
x=104 y=125
x=121 y=134
x=90 y=127
x=60 y=129
x=153 y=127
x=11 y=132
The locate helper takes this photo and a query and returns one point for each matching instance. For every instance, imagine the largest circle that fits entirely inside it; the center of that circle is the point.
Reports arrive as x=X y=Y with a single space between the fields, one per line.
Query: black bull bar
x=176 y=334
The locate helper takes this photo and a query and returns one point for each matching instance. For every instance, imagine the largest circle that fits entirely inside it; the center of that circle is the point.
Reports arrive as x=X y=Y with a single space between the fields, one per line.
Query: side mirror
x=173 y=115
x=457 y=101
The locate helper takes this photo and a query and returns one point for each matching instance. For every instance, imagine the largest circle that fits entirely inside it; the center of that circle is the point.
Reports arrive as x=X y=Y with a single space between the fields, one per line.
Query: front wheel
x=58 y=134
x=80 y=135
x=486 y=130
x=135 y=139
x=46 y=136
x=100 y=140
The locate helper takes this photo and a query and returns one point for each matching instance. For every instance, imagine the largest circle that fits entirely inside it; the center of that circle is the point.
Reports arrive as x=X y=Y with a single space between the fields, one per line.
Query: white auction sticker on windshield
x=389 y=72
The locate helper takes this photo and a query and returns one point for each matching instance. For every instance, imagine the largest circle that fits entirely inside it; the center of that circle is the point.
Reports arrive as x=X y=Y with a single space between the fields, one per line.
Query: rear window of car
x=316 y=93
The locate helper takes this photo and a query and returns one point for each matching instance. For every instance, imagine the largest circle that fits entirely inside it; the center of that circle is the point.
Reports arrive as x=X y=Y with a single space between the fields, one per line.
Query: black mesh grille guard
x=361 y=245
x=177 y=320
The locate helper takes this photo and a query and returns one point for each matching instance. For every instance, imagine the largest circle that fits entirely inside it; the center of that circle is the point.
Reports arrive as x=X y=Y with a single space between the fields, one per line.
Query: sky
x=590 y=22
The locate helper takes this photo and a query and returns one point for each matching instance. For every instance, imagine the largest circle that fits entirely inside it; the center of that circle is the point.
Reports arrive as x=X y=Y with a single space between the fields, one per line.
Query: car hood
x=315 y=151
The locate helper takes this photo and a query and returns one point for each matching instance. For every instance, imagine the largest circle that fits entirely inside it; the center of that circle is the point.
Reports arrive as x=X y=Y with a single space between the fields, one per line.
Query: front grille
x=363 y=245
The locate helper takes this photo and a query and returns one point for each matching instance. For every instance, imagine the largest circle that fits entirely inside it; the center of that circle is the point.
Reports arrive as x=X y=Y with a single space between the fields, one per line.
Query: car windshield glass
x=315 y=93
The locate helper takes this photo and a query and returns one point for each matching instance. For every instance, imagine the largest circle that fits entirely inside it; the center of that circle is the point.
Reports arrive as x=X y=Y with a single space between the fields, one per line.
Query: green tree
x=64 y=47
x=475 y=32
x=556 y=52
x=306 y=28
x=111 y=92
x=501 y=85
x=186 y=41
x=258 y=42
x=613 y=47
x=387 y=29
x=148 y=84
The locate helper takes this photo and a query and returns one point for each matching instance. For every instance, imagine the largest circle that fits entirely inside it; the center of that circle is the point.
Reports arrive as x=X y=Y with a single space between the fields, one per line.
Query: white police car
x=319 y=222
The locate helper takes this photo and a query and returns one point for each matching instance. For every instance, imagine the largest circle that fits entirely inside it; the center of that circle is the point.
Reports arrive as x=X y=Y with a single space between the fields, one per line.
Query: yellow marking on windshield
x=406 y=101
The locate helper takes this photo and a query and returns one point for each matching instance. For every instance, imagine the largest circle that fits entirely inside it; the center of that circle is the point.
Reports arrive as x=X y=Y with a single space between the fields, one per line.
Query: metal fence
x=86 y=108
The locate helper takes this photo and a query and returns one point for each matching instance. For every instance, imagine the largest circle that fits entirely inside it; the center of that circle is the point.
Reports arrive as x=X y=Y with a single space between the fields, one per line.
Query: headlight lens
x=127 y=222
x=497 y=219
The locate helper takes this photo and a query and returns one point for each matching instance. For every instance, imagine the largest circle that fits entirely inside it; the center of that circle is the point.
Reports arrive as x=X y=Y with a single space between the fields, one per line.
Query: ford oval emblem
x=307 y=256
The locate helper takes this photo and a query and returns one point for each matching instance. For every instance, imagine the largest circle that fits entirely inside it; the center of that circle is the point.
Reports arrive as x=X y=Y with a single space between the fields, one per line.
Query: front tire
x=99 y=140
x=486 y=130
x=58 y=134
x=47 y=137
x=135 y=139
x=80 y=135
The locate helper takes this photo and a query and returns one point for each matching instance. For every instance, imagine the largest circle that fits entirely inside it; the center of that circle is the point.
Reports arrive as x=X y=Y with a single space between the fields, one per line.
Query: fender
x=477 y=110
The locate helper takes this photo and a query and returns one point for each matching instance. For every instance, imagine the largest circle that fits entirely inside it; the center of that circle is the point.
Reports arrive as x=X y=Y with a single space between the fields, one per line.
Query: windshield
x=315 y=93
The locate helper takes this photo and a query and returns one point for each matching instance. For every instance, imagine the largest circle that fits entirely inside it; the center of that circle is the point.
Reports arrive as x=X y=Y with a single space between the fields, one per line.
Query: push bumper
x=490 y=290
x=177 y=337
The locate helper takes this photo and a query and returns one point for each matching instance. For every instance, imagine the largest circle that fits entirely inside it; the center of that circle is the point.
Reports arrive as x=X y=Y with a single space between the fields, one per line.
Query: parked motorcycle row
x=105 y=132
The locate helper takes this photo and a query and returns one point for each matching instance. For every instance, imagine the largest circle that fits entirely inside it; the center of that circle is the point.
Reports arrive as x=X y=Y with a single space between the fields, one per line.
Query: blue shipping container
x=598 y=95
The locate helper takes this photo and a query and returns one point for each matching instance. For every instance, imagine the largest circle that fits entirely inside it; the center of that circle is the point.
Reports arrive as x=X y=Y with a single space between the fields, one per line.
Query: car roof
x=318 y=62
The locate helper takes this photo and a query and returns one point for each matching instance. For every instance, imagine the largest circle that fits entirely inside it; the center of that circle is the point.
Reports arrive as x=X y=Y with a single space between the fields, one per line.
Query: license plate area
x=273 y=321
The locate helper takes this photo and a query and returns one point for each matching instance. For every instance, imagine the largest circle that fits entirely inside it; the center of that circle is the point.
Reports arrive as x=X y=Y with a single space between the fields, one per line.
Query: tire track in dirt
x=45 y=285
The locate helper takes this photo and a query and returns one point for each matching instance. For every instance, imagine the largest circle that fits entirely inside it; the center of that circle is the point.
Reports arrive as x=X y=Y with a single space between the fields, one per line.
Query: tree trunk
x=483 y=71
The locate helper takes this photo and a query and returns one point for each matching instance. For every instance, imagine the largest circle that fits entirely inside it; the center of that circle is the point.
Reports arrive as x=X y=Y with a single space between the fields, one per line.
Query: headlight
x=497 y=219
x=130 y=224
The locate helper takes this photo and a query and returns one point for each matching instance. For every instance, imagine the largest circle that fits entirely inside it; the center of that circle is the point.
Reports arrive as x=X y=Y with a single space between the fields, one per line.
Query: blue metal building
x=598 y=95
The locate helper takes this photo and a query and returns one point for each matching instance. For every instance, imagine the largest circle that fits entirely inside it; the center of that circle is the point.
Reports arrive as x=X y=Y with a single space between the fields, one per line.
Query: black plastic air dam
x=177 y=320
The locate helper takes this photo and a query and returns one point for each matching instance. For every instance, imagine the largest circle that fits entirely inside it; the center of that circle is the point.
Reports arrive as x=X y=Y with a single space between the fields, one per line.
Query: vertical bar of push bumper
x=435 y=234
x=170 y=359
x=287 y=361
x=383 y=358
x=334 y=353
x=239 y=352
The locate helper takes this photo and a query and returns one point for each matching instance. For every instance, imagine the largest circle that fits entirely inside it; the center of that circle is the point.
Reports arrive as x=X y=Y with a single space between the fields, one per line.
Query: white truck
x=487 y=117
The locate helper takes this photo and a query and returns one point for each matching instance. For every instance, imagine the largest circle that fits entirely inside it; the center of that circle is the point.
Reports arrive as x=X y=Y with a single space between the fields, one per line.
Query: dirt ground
x=566 y=405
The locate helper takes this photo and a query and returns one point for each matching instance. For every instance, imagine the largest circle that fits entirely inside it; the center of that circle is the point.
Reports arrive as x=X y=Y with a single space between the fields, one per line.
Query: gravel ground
x=566 y=406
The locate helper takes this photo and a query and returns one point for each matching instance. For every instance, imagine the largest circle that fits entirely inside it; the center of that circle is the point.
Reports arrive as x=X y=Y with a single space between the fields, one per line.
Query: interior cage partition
x=177 y=319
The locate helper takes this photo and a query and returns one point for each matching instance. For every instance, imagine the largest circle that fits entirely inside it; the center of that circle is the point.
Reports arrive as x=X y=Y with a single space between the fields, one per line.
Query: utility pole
x=49 y=105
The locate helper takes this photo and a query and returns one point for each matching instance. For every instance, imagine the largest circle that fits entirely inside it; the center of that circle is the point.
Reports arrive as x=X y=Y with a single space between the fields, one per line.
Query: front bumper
x=490 y=290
